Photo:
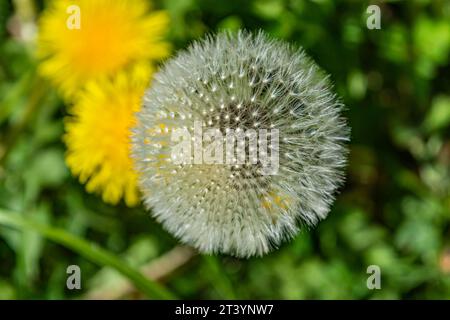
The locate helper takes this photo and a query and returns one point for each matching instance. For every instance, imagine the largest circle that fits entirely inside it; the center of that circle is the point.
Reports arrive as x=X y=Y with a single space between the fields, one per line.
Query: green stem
x=221 y=280
x=90 y=251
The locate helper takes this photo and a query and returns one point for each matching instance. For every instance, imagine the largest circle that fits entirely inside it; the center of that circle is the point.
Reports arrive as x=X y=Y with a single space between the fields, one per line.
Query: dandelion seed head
x=243 y=81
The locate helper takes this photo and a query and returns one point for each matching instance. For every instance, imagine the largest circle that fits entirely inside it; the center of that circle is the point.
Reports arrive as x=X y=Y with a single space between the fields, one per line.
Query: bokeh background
x=394 y=210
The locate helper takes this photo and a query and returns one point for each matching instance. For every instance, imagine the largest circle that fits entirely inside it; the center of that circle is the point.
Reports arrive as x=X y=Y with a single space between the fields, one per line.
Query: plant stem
x=90 y=251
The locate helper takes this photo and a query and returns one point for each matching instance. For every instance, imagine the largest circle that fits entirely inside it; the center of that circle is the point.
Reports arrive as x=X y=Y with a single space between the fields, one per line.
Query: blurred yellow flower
x=98 y=136
x=81 y=40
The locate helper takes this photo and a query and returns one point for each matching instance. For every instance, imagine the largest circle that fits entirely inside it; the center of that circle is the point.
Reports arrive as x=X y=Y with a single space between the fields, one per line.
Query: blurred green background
x=394 y=210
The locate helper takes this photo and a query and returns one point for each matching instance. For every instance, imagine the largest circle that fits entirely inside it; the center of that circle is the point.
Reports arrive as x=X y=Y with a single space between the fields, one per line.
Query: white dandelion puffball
x=284 y=117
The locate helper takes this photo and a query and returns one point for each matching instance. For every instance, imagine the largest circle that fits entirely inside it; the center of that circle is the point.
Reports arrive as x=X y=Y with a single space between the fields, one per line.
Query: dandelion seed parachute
x=241 y=81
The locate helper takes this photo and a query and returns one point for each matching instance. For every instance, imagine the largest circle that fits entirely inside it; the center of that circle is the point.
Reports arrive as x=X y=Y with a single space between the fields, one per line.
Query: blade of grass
x=219 y=278
x=90 y=251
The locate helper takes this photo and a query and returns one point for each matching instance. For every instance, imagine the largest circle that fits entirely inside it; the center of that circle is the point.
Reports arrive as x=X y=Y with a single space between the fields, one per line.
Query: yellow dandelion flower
x=108 y=36
x=98 y=136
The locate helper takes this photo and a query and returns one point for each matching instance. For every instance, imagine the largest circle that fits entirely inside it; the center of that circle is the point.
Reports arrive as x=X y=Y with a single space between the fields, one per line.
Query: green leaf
x=30 y=244
x=268 y=9
x=47 y=169
x=233 y=23
x=439 y=115
x=432 y=39
x=89 y=250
